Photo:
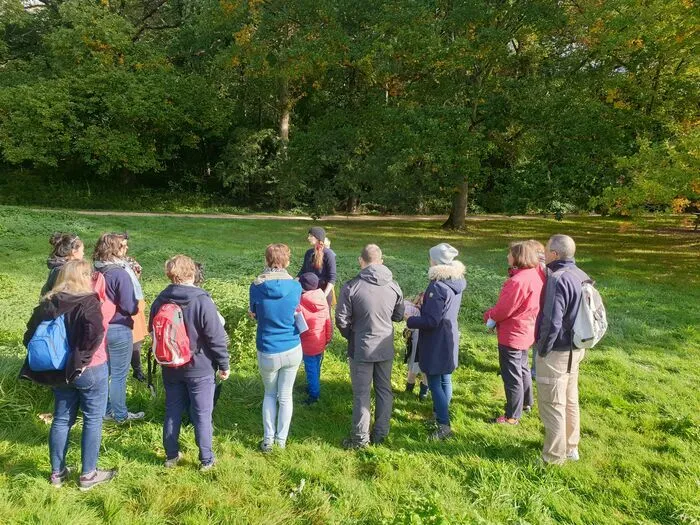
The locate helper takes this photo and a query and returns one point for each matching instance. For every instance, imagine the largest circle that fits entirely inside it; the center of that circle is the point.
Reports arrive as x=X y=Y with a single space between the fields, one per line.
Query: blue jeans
x=278 y=372
x=441 y=390
x=198 y=394
x=312 y=368
x=89 y=391
x=119 y=349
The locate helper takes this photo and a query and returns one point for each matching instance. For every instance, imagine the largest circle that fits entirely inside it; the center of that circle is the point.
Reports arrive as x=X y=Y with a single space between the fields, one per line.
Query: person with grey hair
x=557 y=361
x=368 y=306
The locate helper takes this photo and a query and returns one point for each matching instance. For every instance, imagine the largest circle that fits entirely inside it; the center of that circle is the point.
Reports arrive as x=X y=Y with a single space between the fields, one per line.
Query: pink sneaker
x=503 y=420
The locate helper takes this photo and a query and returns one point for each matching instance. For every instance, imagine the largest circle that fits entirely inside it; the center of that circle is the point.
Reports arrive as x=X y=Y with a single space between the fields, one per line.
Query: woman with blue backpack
x=65 y=343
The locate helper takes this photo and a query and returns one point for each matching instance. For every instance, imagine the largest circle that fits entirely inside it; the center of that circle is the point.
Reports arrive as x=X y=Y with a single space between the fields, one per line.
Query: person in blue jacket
x=438 y=340
x=274 y=298
x=193 y=383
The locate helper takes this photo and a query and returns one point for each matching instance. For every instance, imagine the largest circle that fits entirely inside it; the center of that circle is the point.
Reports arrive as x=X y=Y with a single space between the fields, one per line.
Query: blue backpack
x=48 y=348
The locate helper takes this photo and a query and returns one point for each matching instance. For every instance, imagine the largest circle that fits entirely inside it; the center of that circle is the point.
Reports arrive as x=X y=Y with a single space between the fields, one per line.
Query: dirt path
x=258 y=216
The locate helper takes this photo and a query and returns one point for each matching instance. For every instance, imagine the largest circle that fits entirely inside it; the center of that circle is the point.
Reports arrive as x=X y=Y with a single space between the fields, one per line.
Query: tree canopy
x=393 y=106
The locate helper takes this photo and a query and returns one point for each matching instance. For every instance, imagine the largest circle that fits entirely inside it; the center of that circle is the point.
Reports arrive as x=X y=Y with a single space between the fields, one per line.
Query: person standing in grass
x=121 y=288
x=317 y=315
x=192 y=384
x=438 y=339
x=65 y=247
x=83 y=382
x=515 y=314
x=274 y=299
x=369 y=305
x=320 y=260
x=557 y=359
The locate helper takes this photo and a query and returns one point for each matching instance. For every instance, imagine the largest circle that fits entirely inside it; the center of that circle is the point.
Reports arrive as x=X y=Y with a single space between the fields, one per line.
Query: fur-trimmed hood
x=444 y=272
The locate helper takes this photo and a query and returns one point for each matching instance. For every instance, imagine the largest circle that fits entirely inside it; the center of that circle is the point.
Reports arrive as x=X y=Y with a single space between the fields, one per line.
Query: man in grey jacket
x=368 y=306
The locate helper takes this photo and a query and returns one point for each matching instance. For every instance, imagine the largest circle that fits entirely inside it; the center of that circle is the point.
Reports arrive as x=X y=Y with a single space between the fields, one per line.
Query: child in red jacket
x=314 y=308
x=514 y=316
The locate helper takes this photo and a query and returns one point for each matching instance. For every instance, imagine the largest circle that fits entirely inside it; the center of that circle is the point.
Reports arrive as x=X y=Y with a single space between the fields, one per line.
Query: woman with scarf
x=122 y=288
x=320 y=260
x=274 y=299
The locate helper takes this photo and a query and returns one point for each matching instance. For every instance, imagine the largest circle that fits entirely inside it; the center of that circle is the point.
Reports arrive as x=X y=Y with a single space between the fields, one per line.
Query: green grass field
x=640 y=449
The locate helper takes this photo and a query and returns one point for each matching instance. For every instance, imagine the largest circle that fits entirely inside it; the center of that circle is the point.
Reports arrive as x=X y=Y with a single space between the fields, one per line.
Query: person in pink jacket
x=514 y=317
x=314 y=307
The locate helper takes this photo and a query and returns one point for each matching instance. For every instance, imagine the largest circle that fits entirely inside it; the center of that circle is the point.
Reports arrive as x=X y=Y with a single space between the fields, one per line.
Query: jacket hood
x=447 y=272
x=182 y=293
x=561 y=263
x=55 y=262
x=275 y=284
x=62 y=303
x=376 y=274
x=314 y=300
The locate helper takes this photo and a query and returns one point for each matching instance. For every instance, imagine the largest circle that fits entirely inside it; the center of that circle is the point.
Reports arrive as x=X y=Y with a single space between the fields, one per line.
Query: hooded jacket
x=274 y=297
x=438 y=336
x=517 y=308
x=84 y=329
x=314 y=308
x=208 y=340
x=560 y=302
x=54 y=264
x=368 y=306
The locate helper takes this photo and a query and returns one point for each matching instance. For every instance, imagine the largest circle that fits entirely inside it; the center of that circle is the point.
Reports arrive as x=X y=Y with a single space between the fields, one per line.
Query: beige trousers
x=557 y=399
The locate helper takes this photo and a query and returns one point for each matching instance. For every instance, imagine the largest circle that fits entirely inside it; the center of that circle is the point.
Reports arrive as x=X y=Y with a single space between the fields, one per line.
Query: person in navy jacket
x=438 y=339
x=320 y=260
x=193 y=383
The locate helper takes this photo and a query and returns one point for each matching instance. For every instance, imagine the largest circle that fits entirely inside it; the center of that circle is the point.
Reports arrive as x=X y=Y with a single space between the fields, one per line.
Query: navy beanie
x=318 y=232
x=308 y=281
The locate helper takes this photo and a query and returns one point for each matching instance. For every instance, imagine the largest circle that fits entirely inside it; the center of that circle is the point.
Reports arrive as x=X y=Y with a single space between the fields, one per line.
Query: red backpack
x=171 y=345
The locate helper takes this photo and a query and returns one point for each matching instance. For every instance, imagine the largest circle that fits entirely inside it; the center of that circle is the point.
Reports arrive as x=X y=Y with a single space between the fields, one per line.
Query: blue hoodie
x=274 y=297
x=438 y=331
x=208 y=340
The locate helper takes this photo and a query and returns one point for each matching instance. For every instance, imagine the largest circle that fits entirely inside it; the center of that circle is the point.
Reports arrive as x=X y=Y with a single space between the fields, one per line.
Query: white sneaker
x=133 y=416
x=572 y=455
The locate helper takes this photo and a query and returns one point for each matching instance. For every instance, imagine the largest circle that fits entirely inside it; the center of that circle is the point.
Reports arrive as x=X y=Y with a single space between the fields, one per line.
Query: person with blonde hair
x=274 y=299
x=121 y=289
x=192 y=384
x=514 y=315
x=82 y=382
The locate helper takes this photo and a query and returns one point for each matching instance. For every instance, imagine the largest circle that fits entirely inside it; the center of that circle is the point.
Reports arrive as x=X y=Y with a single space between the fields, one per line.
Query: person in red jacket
x=514 y=317
x=314 y=307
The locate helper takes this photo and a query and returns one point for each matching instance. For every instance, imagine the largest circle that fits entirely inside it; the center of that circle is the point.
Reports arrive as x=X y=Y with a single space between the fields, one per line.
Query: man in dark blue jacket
x=192 y=383
x=557 y=360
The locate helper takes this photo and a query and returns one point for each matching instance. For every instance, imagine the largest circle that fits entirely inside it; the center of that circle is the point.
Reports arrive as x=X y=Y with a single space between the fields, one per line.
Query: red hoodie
x=516 y=311
x=314 y=308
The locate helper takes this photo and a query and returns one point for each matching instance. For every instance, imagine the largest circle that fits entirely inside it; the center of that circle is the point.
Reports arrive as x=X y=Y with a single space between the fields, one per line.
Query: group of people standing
x=100 y=303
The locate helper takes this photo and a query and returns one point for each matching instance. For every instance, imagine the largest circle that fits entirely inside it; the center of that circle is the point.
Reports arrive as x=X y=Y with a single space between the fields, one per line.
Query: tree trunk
x=285 y=111
x=458 y=213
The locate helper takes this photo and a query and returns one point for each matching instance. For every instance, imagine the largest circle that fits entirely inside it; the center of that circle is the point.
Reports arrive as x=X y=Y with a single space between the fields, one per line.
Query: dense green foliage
x=639 y=398
x=422 y=106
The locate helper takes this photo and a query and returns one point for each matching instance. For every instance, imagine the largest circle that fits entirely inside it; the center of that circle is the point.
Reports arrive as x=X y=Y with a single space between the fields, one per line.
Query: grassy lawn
x=640 y=449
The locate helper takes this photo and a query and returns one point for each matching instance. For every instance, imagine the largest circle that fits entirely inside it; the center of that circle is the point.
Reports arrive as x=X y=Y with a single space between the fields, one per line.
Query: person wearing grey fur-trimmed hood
x=438 y=339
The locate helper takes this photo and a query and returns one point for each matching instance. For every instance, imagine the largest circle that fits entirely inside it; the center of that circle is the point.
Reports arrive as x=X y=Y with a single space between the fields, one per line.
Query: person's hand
x=251 y=315
x=406 y=315
x=223 y=374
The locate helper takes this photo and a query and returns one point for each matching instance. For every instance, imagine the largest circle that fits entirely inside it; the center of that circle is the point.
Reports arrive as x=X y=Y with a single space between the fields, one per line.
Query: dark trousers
x=517 y=380
x=362 y=375
x=199 y=393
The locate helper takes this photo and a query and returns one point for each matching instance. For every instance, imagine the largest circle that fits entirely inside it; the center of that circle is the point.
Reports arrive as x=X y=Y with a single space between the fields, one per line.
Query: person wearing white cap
x=438 y=339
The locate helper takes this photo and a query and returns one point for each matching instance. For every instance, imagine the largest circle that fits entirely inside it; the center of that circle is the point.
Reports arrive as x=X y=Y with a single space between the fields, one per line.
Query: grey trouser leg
x=383 y=398
x=361 y=379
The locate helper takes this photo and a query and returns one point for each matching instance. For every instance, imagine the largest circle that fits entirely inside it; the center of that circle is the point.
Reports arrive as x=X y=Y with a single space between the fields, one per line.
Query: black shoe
x=410 y=387
x=310 y=401
x=138 y=375
x=441 y=434
x=376 y=441
x=353 y=444
x=423 y=393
